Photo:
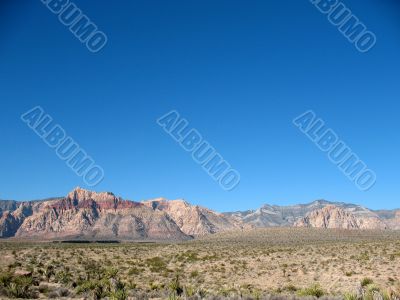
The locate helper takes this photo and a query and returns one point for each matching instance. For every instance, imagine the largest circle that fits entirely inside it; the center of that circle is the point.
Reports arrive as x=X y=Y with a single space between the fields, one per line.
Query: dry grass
x=259 y=264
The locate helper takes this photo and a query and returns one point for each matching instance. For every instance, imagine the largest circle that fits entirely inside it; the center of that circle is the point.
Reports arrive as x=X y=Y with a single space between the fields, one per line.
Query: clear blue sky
x=239 y=71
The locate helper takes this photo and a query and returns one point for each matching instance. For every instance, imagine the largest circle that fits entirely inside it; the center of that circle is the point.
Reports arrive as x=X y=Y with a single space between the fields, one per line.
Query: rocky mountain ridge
x=195 y=220
x=84 y=214
x=335 y=217
x=320 y=214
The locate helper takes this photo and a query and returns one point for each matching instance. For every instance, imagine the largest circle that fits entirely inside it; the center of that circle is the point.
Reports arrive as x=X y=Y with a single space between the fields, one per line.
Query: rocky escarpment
x=391 y=218
x=275 y=215
x=10 y=221
x=332 y=216
x=90 y=215
x=194 y=220
x=86 y=214
x=315 y=214
x=8 y=205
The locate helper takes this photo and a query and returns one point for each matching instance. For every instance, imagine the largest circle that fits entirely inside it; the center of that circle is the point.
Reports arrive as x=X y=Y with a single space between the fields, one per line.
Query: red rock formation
x=88 y=214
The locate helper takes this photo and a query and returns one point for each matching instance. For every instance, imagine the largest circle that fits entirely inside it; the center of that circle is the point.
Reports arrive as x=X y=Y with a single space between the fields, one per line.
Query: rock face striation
x=277 y=216
x=320 y=214
x=88 y=215
x=7 y=205
x=195 y=220
x=10 y=221
x=84 y=214
x=336 y=217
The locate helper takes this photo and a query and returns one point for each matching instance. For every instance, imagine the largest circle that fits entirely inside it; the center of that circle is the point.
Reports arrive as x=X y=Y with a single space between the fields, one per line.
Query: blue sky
x=238 y=71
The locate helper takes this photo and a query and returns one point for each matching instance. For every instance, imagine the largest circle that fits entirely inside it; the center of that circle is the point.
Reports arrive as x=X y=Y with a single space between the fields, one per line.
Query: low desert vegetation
x=261 y=264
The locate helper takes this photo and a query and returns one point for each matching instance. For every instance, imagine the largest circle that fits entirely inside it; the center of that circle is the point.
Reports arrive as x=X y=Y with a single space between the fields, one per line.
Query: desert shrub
x=111 y=272
x=156 y=264
x=315 y=291
x=97 y=288
x=175 y=287
x=133 y=271
x=154 y=286
x=364 y=256
x=391 y=280
x=109 y=285
x=93 y=269
x=349 y=273
x=290 y=288
x=86 y=286
x=118 y=295
x=191 y=256
x=131 y=285
x=5 y=278
x=350 y=296
x=372 y=292
x=366 y=281
x=190 y=291
x=194 y=274
x=20 y=287
x=48 y=272
x=64 y=277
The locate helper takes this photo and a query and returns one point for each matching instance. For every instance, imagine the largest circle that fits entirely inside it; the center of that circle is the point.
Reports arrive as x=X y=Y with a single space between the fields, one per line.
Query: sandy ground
x=257 y=262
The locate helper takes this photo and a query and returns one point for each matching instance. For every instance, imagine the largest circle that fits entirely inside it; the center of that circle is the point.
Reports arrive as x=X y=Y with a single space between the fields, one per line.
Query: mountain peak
x=88 y=213
x=165 y=200
x=79 y=194
x=193 y=220
x=321 y=202
x=313 y=203
x=332 y=216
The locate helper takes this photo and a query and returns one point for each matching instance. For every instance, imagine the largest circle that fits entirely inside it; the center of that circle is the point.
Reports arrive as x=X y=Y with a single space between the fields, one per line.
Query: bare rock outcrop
x=10 y=221
x=335 y=217
x=194 y=220
x=394 y=221
x=86 y=214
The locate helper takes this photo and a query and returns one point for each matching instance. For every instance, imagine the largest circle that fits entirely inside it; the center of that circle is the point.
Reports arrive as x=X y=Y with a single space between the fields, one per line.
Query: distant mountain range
x=321 y=214
x=84 y=214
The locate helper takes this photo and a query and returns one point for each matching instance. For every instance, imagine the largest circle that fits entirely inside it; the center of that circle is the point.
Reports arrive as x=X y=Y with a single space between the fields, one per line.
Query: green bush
x=5 y=279
x=315 y=291
x=108 y=285
x=175 y=287
x=133 y=271
x=20 y=287
x=366 y=281
x=156 y=264
x=349 y=296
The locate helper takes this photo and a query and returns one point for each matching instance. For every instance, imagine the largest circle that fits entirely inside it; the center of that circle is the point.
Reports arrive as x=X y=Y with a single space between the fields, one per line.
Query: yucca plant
x=175 y=286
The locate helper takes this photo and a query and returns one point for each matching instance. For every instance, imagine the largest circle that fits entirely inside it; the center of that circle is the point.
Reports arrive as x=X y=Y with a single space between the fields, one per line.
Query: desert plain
x=272 y=263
